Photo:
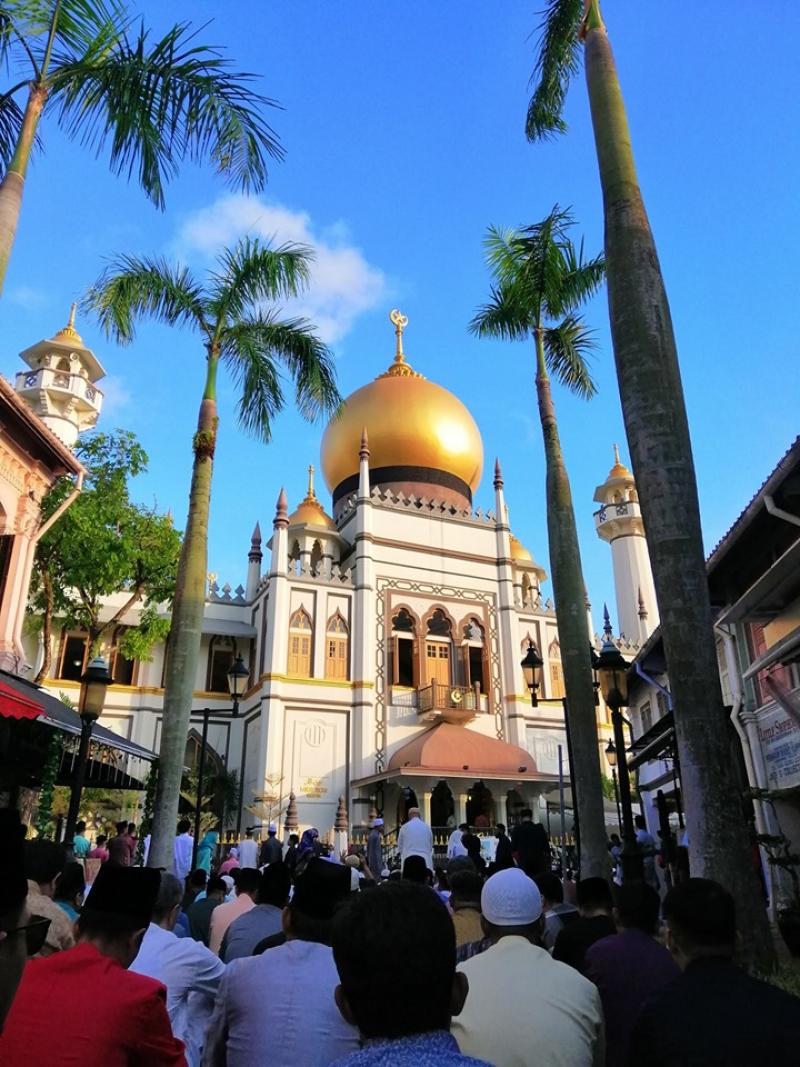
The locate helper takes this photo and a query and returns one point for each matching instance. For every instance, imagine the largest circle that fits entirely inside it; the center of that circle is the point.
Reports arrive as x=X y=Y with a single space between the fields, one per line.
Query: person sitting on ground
x=231 y=861
x=557 y=914
x=262 y=998
x=80 y=842
x=69 y=890
x=415 y=869
x=455 y=846
x=84 y=1006
x=271 y=849
x=199 y=913
x=523 y=1006
x=714 y=1014
x=629 y=966
x=395 y=956
x=263 y=920
x=442 y=885
x=189 y=971
x=596 y=906
x=99 y=852
x=21 y=933
x=120 y=852
x=465 y=904
x=44 y=862
x=247 y=881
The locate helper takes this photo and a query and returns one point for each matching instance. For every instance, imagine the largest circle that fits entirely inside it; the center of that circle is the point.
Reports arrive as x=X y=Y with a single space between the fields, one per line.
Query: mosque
x=383 y=631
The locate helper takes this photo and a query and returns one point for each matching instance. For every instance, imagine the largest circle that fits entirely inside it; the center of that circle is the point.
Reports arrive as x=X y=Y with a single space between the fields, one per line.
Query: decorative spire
x=363 y=452
x=399 y=368
x=498 y=475
x=255 y=538
x=341 y=822
x=255 y=544
x=310 y=497
x=69 y=333
x=608 y=632
x=619 y=470
x=281 y=510
x=642 y=608
x=291 y=822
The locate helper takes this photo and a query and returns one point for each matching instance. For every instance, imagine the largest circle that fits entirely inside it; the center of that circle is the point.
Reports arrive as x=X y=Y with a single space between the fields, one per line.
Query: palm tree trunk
x=658 y=437
x=573 y=636
x=47 y=628
x=13 y=183
x=183 y=649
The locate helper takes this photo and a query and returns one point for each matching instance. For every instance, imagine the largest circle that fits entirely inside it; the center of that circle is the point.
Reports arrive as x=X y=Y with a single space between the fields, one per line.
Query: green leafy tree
x=540 y=281
x=657 y=429
x=151 y=101
x=239 y=330
x=102 y=545
x=44 y=815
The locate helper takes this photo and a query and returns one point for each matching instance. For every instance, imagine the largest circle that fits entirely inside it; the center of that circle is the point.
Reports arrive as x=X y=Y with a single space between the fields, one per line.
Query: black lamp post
x=238 y=677
x=611 y=757
x=532 y=670
x=94 y=682
x=612 y=670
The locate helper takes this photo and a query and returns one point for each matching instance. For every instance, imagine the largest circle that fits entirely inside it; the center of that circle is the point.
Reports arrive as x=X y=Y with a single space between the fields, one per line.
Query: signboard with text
x=780 y=742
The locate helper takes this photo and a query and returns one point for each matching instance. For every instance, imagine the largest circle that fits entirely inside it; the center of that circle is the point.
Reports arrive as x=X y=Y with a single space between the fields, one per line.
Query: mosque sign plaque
x=313 y=787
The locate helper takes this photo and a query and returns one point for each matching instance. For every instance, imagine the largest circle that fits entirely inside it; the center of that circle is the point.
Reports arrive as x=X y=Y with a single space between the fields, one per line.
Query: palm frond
x=158 y=103
x=10 y=125
x=252 y=271
x=582 y=279
x=557 y=62
x=131 y=288
x=566 y=348
x=506 y=315
x=252 y=348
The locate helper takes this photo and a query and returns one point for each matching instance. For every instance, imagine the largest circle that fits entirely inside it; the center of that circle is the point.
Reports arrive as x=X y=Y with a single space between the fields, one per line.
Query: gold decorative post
x=400 y=321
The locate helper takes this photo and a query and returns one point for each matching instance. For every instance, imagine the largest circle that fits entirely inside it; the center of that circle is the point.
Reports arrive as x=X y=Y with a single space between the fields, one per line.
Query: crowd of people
x=281 y=954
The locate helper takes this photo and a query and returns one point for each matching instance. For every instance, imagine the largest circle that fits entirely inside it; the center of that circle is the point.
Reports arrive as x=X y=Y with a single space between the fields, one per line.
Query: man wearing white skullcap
x=524 y=1007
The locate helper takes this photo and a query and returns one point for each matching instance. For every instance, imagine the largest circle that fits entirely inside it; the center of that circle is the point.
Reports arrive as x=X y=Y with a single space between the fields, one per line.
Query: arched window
x=557 y=691
x=336 y=648
x=526 y=590
x=438 y=649
x=404 y=658
x=473 y=652
x=300 y=644
x=221 y=653
x=316 y=557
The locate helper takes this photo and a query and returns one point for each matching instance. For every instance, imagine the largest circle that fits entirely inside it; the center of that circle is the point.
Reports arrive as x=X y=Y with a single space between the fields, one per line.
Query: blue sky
x=403 y=126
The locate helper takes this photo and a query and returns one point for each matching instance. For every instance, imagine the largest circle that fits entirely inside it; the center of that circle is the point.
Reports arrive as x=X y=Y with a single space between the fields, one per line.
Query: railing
x=452 y=702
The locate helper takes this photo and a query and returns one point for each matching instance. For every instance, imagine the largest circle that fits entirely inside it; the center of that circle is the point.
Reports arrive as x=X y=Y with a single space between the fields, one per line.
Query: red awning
x=15 y=706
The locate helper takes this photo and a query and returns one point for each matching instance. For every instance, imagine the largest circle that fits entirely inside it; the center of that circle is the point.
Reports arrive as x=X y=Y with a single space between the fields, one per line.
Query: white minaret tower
x=61 y=383
x=619 y=521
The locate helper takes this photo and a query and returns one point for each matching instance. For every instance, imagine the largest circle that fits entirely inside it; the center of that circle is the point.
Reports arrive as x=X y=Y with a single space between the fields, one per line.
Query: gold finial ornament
x=68 y=333
x=399 y=368
x=619 y=470
x=311 y=495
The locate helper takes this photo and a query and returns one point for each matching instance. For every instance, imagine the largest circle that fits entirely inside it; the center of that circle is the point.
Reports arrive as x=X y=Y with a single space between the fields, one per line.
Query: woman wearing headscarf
x=309 y=845
x=231 y=861
x=206 y=850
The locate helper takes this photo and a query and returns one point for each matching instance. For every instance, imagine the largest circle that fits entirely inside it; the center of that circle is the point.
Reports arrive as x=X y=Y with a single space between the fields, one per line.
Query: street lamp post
x=612 y=670
x=238 y=677
x=611 y=757
x=94 y=682
x=532 y=670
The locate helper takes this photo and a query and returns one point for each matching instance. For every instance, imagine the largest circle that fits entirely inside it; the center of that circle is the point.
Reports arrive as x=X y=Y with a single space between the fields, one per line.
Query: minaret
x=61 y=383
x=254 y=558
x=507 y=614
x=619 y=522
x=363 y=627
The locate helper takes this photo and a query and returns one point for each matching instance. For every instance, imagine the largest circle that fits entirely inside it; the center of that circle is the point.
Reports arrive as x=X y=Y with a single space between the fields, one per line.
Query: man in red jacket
x=83 y=1006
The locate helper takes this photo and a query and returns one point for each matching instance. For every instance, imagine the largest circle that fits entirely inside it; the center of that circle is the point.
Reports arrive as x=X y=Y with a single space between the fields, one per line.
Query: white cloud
x=26 y=297
x=116 y=396
x=343 y=284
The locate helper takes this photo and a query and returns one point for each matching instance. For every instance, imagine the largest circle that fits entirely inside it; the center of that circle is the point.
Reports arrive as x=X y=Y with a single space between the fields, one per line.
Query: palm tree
x=153 y=102
x=660 y=447
x=253 y=344
x=540 y=280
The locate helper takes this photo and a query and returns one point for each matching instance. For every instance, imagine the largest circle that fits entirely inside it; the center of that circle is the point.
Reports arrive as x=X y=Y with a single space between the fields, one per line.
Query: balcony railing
x=453 y=703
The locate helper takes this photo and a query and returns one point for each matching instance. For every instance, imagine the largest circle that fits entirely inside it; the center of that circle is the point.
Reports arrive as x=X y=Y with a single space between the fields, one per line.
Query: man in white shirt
x=278 y=1008
x=248 y=850
x=415 y=839
x=190 y=972
x=523 y=1006
x=454 y=845
x=182 y=853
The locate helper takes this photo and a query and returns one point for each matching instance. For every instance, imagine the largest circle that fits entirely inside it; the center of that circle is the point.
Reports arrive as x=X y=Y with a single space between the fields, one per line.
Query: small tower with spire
x=254 y=557
x=61 y=382
x=619 y=522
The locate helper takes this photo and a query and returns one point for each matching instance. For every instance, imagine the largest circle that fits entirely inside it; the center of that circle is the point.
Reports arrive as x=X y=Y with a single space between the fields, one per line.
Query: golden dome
x=68 y=334
x=619 y=470
x=519 y=552
x=310 y=512
x=410 y=422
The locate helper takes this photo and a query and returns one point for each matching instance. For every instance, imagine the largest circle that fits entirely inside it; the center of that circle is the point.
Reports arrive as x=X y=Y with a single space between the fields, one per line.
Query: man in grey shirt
x=263 y=920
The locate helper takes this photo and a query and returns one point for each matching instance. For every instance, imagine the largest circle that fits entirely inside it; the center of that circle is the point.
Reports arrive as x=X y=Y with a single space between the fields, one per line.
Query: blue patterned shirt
x=435 y=1049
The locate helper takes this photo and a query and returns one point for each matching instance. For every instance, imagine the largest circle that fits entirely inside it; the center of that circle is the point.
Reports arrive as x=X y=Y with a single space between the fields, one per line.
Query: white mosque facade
x=383 y=634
